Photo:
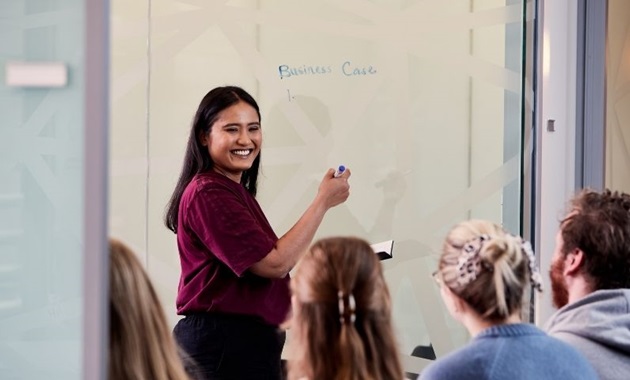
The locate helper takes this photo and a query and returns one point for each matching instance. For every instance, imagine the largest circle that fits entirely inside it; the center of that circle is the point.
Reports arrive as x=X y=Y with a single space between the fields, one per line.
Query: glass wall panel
x=423 y=100
x=41 y=194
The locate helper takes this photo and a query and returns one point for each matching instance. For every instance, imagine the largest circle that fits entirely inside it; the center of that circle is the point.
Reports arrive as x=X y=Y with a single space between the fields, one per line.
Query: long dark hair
x=197 y=159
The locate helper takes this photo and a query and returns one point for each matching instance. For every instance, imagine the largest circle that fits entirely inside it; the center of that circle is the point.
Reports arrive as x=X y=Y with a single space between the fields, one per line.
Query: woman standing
x=233 y=289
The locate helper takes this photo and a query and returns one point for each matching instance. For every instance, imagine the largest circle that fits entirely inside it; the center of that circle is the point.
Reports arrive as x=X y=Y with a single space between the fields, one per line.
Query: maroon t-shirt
x=221 y=232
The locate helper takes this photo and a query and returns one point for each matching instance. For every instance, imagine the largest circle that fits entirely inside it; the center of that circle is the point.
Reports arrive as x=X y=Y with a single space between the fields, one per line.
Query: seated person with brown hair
x=341 y=326
x=590 y=279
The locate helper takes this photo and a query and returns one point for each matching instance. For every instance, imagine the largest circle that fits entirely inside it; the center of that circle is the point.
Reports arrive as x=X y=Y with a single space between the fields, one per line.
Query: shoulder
x=460 y=364
x=211 y=180
x=536 y=342
x=596 y=307
x=575 y=347
x=564 y=356
x=555 y=344
x=207 y=196
x=207 y=187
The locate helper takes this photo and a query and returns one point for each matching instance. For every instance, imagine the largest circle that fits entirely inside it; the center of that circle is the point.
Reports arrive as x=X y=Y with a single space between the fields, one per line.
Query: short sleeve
x=228 y=227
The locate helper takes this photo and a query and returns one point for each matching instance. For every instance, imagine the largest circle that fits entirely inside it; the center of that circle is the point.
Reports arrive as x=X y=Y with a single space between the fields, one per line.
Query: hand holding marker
x=339 y=171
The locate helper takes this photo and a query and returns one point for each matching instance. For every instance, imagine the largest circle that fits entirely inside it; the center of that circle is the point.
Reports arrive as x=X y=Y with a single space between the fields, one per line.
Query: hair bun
x=495 y=249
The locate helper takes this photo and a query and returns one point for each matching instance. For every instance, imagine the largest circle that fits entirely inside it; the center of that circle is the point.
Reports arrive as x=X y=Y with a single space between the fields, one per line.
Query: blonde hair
x=141 y=346
x=341 y=324
x=495 y=288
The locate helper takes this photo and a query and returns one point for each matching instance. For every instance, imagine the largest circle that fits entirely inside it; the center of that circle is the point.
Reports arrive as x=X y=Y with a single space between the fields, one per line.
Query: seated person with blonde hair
x=483 y=274
x=341 y=325
x=140 y=342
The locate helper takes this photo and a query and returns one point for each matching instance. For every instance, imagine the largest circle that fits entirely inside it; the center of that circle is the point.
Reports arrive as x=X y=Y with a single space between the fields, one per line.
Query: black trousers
x=230 y=347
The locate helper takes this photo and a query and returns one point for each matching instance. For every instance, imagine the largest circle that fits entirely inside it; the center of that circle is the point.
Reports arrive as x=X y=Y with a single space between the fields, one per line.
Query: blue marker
x=339 y=171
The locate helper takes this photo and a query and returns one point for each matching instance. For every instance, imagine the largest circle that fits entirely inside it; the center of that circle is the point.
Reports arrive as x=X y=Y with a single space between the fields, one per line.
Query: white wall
x=557 y=148
x=618 y=96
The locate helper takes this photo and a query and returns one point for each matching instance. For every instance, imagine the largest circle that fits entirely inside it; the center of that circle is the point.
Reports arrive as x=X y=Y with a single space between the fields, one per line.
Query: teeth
x=243 y=152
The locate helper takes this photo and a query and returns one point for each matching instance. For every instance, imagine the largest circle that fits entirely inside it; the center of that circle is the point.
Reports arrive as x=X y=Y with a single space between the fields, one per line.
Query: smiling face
x=234 y=140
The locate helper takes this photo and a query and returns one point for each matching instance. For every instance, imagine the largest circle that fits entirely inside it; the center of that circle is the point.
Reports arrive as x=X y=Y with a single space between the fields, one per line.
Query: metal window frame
x=591 y=94
x=96 y=124
x=529 y=139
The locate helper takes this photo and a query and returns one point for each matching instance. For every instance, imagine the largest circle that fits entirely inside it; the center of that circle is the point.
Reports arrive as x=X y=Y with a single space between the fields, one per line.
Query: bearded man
x=590 y=281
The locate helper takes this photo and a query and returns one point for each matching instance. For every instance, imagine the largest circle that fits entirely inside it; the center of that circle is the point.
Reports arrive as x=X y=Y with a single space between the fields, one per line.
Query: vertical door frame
x=96 y=123
x=570 y=117
x=555 y=130
x=591 y=94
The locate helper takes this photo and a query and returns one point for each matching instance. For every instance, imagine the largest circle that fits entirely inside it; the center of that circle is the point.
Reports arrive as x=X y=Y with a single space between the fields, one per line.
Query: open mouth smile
x=242 y=152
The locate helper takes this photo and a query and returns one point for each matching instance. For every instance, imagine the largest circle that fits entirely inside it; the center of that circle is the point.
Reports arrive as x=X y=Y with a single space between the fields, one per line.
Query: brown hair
x=342 y=315
x=599 y=225
x=497 y=290
x=140 y=343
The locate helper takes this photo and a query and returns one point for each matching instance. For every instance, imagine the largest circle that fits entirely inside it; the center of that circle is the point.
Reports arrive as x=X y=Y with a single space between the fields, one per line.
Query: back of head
x=342 y=315
x=140 y=343
x=599 y=225
x=488 y=268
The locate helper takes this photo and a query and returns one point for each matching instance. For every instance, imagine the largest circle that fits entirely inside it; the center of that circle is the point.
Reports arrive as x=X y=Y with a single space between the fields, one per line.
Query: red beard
x=559 y=293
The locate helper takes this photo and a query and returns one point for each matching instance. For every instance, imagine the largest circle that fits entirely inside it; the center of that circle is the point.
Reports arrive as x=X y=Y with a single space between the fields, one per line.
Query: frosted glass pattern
x=41 y=196
x=422 y=100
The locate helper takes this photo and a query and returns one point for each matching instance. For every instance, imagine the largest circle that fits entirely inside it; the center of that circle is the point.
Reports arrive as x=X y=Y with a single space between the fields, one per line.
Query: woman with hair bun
x=341 y=324
x=484 y=273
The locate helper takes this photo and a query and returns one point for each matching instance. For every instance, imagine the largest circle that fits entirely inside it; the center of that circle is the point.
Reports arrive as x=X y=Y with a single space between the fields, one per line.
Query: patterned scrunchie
x=469 y=263
x=534 y=276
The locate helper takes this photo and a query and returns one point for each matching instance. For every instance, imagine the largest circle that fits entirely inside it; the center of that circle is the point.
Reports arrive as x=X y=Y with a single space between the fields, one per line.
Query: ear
x=573 y=262
x=453 y=303
x=458 y=303
x=204 y=138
